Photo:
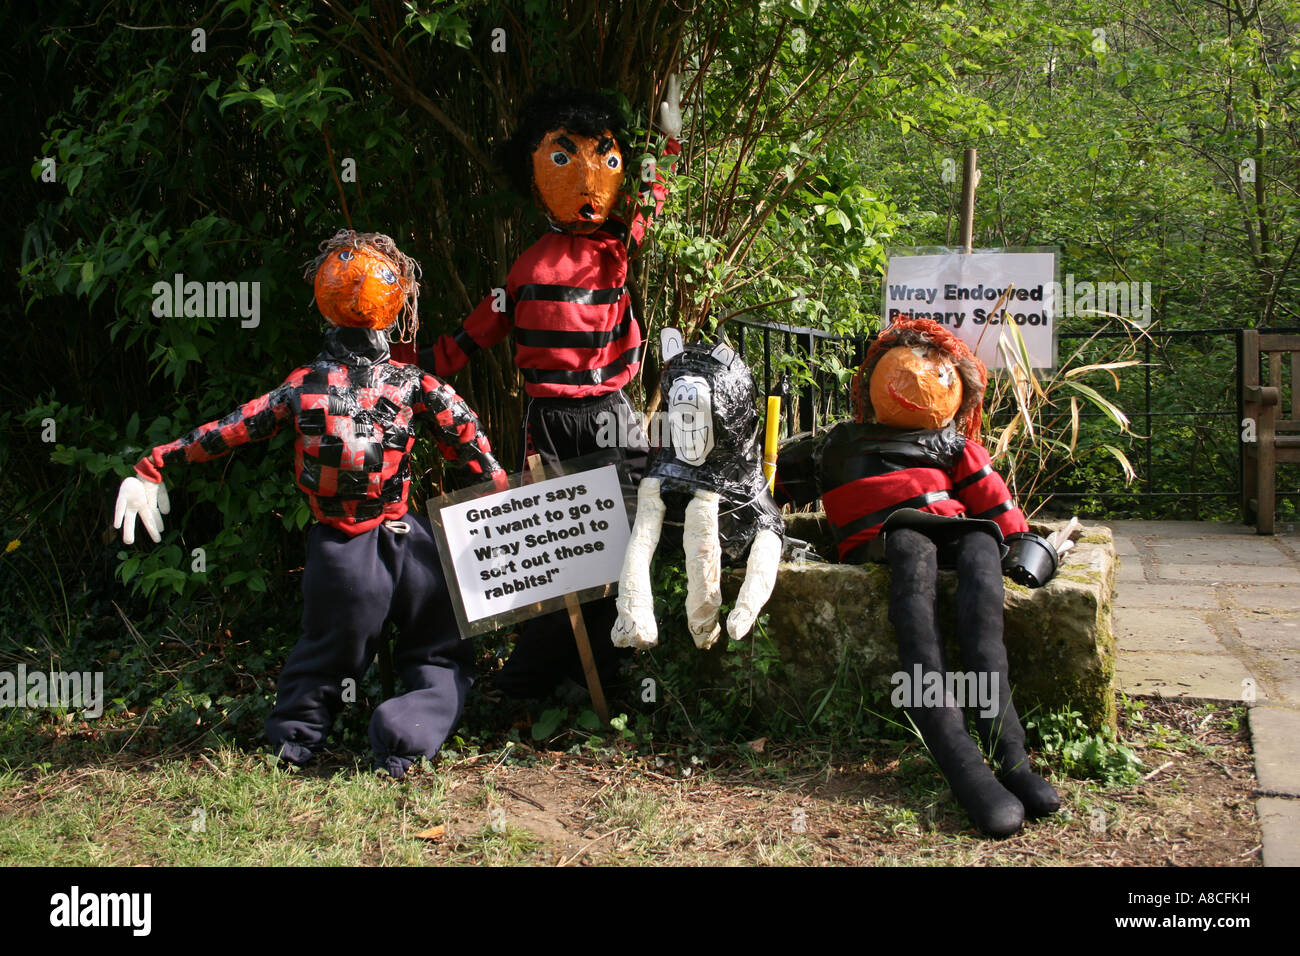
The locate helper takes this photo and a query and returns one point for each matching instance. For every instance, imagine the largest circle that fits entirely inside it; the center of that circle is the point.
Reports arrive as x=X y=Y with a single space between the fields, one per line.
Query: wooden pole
x=970 y=178
x=579 y=626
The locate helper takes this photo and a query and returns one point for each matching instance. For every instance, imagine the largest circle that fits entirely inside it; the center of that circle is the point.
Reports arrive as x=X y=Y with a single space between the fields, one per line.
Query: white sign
x=960 y=291
x=536 y=542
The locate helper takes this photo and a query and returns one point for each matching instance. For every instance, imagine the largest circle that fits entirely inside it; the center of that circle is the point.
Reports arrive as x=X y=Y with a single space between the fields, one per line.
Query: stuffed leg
x=636 y=625
x=703 y=568
x=760 y=578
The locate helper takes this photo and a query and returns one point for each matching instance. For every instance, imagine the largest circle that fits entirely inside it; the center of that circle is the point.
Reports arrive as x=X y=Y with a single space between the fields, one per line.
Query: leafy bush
x=1065 y=741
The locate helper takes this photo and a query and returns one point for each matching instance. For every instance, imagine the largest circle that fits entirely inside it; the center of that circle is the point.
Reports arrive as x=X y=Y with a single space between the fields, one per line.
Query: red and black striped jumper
x=577 y=343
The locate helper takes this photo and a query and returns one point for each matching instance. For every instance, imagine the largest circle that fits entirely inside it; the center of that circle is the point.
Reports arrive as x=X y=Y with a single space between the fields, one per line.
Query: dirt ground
x=884 y=805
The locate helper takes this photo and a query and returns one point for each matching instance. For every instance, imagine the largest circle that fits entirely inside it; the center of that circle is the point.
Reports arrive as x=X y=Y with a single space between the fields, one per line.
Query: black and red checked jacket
x=566 y=299
x=864 y=473
x=354 y=411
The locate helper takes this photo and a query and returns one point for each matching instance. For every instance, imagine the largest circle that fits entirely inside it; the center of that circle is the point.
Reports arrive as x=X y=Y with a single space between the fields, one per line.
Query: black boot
x=979 y=613
x=913 y=572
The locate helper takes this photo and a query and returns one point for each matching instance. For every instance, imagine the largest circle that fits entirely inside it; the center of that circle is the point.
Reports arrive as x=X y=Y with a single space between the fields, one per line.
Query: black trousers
x=558 y=430
x=351 y=586
x=914 y=560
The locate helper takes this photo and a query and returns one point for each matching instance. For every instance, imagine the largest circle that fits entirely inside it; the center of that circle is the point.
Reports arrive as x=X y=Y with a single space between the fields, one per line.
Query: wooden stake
x=579 y=626
x=970 y=178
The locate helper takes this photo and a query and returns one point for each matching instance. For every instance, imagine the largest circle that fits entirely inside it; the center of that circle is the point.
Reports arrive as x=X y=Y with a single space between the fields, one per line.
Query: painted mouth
x=588 y=211
x=893 y=393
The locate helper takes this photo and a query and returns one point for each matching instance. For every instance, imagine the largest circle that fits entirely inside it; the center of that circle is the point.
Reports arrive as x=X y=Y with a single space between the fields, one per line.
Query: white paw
x=631 y=631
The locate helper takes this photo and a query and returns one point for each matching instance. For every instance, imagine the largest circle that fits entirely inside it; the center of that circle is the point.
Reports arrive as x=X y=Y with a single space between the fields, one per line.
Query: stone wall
x=1060 y=640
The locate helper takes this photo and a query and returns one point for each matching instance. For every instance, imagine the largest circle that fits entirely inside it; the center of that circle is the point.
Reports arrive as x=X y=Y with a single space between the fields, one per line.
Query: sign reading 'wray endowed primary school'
x=529 y=546
x=967 y=292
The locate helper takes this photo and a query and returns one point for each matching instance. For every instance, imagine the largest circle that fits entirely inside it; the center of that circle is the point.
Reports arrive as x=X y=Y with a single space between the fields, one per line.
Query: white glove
x=1062 y=540
x=146 y=499
x=670 y=110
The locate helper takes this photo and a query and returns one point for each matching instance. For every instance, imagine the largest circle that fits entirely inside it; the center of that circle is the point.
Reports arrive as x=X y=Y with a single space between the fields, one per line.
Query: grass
x=797 y=802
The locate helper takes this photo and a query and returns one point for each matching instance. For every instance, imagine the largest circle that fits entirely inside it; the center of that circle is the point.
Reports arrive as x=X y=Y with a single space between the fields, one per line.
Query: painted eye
x=388 y=276
x=346 y=255
x=560 y=158
x=613 y=162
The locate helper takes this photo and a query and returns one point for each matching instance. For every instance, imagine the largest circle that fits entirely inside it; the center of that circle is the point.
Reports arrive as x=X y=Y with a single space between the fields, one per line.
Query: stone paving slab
x=1247 y=551
x=1165 y=629
x=1277 y=637
x=1275 y=737
x=1279 y=819
x=1182 y=674
x=1126 y=547
x=1130 y=572
x=1181 y=529
x=1165 y=595
x=1265 y=598
x=1182 y=579
x=1229 y=574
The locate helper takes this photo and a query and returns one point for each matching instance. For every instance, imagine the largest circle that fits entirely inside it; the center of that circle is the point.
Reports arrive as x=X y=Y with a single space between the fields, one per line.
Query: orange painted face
x=915 y=387
x=576 y=178
x=359 y=288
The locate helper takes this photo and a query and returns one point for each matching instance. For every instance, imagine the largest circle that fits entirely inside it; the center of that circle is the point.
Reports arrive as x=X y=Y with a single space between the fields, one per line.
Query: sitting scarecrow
x=355 y=412
x=908 y=483
x=708 y=476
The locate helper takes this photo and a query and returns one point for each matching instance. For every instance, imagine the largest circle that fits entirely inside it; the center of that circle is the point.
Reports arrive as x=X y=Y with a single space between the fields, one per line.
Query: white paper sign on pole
x=959 y=290
x=514 y=554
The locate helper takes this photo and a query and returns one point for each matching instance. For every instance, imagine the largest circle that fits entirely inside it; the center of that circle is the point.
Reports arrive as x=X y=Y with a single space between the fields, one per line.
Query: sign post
x=535 y=547
x=579 y=626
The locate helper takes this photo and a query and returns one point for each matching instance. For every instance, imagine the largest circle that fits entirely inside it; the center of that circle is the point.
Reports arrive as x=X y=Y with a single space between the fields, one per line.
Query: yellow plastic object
x=770 y=440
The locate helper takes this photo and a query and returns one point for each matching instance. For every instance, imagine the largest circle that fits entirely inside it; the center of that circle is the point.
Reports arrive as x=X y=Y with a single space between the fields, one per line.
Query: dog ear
x=670 y=343
x=723 y=354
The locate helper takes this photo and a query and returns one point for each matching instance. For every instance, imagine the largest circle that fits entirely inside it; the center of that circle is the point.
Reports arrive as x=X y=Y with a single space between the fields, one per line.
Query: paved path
x=1213 y=610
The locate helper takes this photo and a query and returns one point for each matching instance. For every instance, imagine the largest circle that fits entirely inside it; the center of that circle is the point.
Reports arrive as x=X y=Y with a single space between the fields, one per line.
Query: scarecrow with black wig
x=908 y=483
x=577 y=342
x=368 y=559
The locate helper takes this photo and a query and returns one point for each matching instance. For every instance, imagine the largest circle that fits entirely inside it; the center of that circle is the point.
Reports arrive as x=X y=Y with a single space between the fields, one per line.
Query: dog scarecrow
x=709 y=472
x=368 y=559
x=908 y=483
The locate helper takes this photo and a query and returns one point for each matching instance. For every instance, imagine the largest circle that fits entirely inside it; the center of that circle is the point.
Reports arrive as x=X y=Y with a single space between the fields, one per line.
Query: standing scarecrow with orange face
x=909 y=484
x=368 y=560
x=577 y=342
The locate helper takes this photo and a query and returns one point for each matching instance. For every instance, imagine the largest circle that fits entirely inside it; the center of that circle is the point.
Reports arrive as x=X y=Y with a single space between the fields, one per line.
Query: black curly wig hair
x=557 y=107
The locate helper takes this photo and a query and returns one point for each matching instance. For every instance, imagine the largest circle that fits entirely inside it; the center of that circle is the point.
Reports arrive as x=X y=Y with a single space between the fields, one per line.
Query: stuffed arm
x=486 y=326
x=636 y=625
x=457 y=431
x=703 y=568
x=143 y=494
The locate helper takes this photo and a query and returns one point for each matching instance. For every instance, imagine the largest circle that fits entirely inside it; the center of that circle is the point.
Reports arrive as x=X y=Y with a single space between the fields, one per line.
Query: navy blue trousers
x=350 y=587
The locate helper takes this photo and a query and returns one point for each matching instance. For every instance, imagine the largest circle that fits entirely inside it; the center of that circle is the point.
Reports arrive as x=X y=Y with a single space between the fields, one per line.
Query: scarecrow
x=577 y=342
x=709 y=472
x=368 y=559
x=908 y=483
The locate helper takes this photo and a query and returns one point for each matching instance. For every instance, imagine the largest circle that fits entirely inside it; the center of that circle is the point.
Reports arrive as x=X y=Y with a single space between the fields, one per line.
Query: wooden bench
x=1276 y=439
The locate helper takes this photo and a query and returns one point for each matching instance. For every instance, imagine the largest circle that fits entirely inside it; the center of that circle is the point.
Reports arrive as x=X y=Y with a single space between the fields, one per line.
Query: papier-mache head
x=918 y=374
x=568 y=154
x=362 y=280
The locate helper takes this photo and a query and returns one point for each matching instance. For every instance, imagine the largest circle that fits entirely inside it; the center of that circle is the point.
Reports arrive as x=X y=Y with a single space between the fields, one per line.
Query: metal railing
x=1198 y=442
x=801 y=343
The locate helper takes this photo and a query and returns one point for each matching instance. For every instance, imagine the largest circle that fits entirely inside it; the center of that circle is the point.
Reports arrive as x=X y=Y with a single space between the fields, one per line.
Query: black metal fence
x=1183 y=402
